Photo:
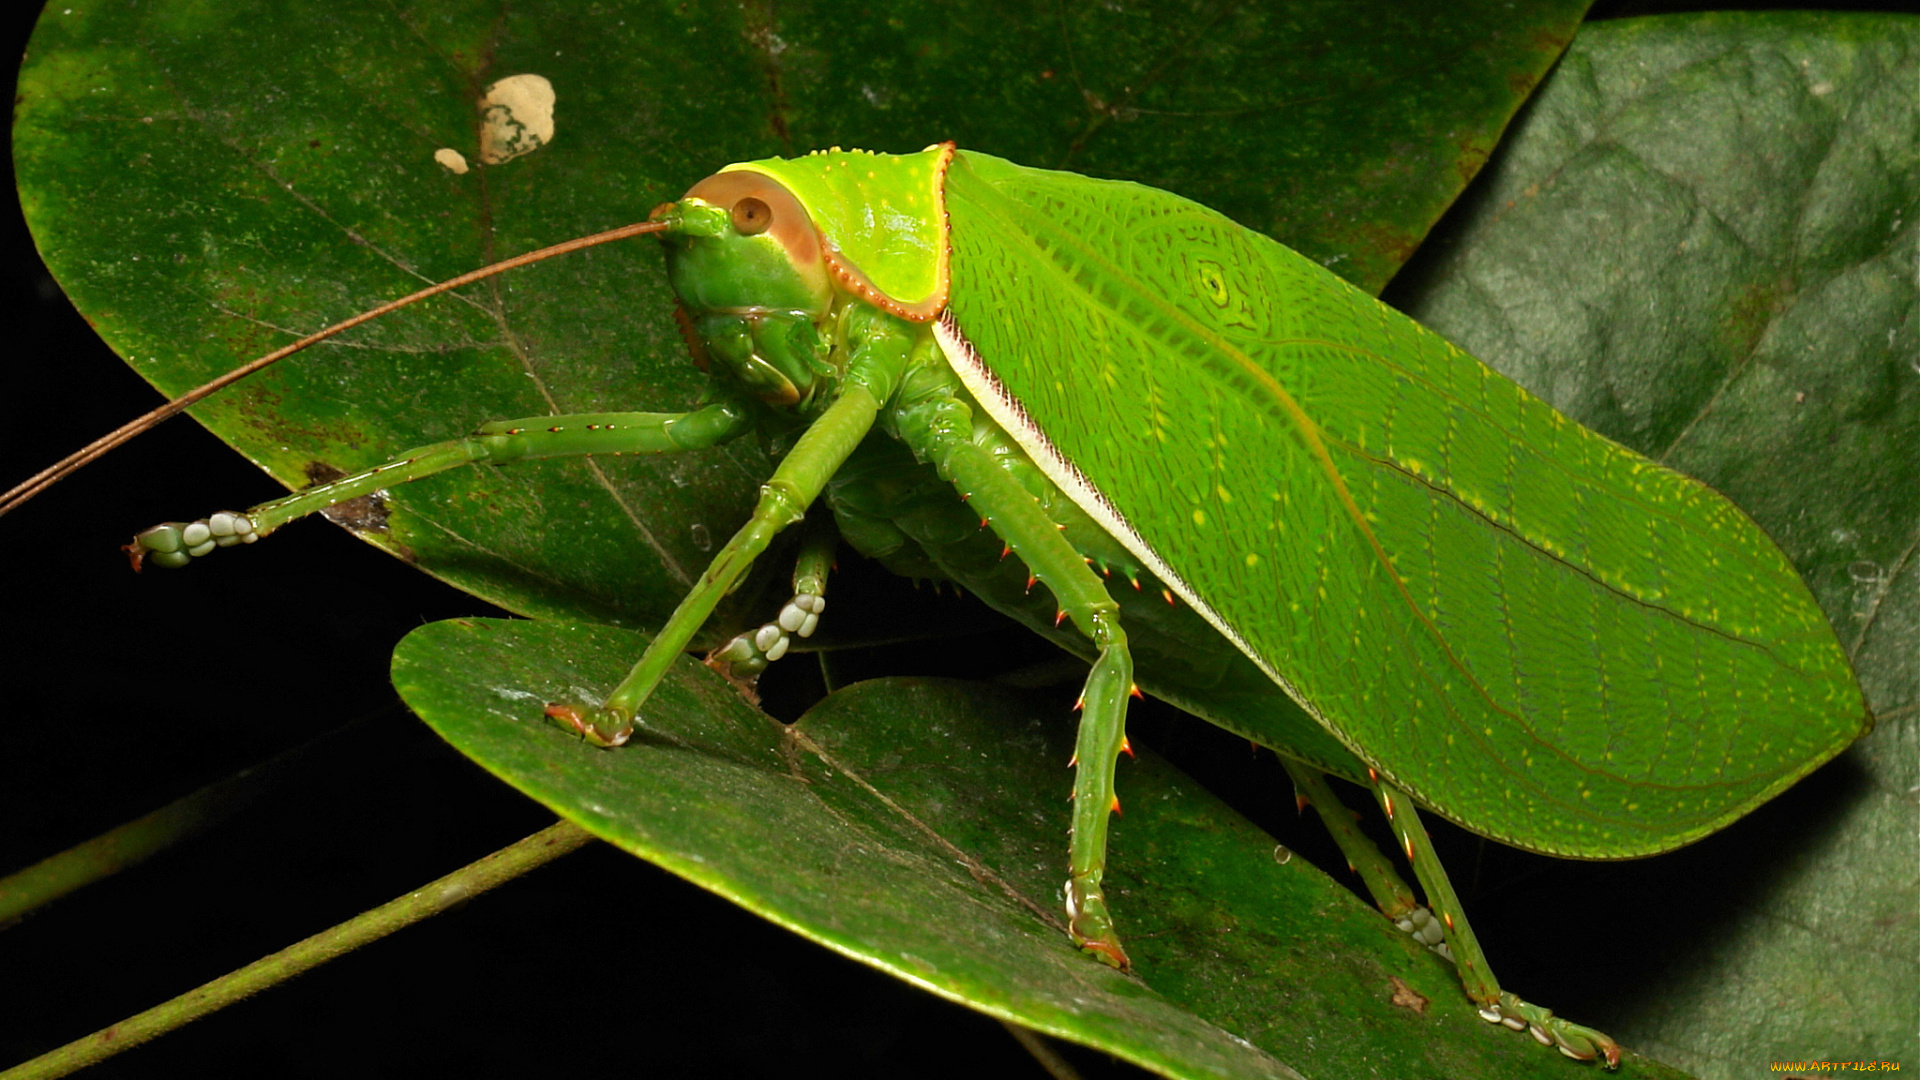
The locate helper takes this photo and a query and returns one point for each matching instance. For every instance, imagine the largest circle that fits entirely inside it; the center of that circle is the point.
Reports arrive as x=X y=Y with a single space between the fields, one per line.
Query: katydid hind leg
x=939 y=429
x=1496 y=1005
x=1391 y=894
x=175 y=544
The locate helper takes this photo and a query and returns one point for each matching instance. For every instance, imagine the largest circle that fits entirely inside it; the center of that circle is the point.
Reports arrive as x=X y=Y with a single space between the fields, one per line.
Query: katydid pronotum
x=1374 y=512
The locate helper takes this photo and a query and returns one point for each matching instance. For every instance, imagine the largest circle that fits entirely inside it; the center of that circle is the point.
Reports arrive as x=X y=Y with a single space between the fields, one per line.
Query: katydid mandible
x=1432 y=583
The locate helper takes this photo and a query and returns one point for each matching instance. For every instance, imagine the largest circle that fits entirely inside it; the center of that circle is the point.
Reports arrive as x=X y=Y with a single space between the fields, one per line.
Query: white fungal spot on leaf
x=455 y=162
x=516 y=117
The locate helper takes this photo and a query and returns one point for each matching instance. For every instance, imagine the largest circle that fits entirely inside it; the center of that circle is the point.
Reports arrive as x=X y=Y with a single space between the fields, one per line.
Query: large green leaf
x=149 y=70
x=1702 y=242
x=199 y=205
x=917 y=825
x=207 y=180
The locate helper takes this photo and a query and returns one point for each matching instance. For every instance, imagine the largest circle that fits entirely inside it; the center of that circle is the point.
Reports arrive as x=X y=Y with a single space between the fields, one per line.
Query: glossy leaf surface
x=1729 y=1008
x=917 y=825
x=1702 y=243
x=202 y=207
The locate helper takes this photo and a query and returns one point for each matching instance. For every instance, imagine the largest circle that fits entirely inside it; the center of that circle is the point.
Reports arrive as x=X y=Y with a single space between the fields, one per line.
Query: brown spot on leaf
x=366 y=514
x=747 y=685
x=1406 y=997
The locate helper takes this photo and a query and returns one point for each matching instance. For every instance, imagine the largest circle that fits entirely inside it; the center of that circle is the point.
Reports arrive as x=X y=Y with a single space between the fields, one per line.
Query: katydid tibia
x=1432 y=584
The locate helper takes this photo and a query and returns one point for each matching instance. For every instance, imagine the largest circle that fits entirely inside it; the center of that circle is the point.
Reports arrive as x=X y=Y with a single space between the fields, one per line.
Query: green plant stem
x=432 y=899
x=134 y=842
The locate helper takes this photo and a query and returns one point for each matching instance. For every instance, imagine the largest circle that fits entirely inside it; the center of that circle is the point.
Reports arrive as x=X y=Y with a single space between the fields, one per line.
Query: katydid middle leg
x=939 y=428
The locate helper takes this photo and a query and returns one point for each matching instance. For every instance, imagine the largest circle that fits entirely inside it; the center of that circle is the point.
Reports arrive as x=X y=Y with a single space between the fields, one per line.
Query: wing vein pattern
x=1540 y=634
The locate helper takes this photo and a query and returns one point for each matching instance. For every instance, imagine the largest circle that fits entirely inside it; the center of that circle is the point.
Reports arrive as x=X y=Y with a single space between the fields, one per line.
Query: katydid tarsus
x=1433 y=584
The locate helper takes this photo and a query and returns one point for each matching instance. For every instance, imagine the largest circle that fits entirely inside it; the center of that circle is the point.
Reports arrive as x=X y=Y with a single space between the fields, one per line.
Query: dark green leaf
x=1701 y=240
x=918 y=825
x=201 y=206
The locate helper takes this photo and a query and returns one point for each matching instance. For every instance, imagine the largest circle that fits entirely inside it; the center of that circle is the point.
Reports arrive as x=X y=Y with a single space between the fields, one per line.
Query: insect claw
x=1115 y=808
x=1059 y=617
x=1126 y=747
x=1133 y=690
x=576 y=720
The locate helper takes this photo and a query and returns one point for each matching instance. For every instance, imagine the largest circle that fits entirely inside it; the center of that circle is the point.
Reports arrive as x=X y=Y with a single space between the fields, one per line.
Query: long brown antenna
x=52 y=474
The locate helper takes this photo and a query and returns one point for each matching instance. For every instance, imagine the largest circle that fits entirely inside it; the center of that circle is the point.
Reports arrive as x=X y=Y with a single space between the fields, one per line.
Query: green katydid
x=1482 y=607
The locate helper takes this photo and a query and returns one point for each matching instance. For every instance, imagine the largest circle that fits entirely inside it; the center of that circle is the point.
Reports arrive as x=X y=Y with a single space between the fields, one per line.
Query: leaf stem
x=502 y=866
x=134 y=842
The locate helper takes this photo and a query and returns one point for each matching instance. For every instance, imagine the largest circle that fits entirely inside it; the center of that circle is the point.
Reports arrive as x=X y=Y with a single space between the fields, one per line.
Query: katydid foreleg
x=879 y=347
x=175 y=544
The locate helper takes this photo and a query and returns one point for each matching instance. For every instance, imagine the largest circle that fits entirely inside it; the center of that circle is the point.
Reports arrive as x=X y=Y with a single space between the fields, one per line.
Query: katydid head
x=747 y=263
x=763 y=254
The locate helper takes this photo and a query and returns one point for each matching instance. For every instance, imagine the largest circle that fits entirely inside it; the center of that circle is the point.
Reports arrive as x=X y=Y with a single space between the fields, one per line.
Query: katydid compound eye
x=751 y=217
